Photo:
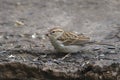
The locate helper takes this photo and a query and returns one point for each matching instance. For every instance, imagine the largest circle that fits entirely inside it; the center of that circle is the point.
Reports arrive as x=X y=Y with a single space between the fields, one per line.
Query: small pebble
x=19 y=23
x=112 y=51
x=96 y=48
x=102 y=55
x=34 y=36
x=11 y=56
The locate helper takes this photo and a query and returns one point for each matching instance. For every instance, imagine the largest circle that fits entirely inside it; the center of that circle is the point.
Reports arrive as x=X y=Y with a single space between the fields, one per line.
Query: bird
x=69 y=42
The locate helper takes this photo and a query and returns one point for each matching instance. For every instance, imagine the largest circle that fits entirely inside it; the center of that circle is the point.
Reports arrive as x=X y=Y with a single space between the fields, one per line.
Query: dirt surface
x=23 y=25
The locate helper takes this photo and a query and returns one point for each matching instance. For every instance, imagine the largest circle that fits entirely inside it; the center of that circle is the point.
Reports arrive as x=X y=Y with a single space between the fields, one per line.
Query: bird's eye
x=53 y=31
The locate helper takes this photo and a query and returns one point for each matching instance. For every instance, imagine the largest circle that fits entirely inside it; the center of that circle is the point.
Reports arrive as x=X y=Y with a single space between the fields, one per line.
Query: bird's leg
x=66 y=56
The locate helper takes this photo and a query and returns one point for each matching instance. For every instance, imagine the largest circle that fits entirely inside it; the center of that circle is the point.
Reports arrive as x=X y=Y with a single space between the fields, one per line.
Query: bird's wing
x=81 y=40
x=71 y=38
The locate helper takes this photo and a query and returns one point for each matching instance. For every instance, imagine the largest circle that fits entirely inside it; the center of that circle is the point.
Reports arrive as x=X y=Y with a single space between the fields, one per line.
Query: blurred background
x=21 y=19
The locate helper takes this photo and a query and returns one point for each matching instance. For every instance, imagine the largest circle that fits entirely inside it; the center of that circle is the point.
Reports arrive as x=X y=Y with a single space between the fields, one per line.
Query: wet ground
x=27 y=54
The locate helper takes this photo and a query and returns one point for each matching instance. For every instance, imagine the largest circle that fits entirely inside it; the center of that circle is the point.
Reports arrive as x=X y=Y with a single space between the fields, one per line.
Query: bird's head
x=55 y=32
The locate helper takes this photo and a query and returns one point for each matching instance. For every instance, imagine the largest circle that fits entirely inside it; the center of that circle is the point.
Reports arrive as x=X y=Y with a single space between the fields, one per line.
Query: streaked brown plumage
x=70 y=38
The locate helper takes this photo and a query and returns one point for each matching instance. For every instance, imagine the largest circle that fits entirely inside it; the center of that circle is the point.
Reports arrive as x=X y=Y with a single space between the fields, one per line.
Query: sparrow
x=69 y=42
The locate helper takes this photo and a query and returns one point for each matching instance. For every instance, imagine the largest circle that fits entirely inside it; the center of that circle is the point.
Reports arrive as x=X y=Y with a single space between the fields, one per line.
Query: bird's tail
x=101 y=43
